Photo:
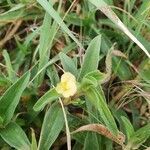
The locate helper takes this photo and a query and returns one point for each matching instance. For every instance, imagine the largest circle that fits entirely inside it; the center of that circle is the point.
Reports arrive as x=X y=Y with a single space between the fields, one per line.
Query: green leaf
x=52 y=125
x=68 y=64
x=10 y=99
x=15 y=136
x=10 y=71
x=91 y=57
x=128 y=127
x=48 y=97
x=48 y=7
x=97 y=100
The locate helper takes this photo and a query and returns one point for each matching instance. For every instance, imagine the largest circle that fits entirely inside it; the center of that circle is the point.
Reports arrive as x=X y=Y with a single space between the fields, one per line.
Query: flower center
x=64 y=86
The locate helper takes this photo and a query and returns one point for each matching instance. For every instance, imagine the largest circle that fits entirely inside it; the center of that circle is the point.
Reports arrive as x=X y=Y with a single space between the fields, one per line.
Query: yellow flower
x=67 y=87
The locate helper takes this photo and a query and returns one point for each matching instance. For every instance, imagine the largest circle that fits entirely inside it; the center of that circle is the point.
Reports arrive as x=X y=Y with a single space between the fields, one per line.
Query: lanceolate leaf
x=91 y=57
x=48 y=97
x=10 y=99
x=15 y=136
x=52 y=125
x=97 y=100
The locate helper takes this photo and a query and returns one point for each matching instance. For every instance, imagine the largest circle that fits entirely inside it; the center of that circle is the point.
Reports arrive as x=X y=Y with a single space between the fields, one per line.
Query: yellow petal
x=59 y=88
x=67 y=76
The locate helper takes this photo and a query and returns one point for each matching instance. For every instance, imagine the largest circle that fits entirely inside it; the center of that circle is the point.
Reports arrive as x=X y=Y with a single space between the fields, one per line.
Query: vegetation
x=75 y=74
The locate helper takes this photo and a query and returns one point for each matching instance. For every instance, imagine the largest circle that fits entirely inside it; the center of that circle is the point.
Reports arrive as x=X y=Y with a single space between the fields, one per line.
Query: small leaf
x=48 y=97
x=15 y=136
x=11 y=72
x=91 y=57
x=10 y=99
x=52 y=125
x=68 y=64
x=100 y=129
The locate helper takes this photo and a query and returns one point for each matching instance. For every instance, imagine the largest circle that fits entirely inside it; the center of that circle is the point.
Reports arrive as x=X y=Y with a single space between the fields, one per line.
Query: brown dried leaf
x=101 y=129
